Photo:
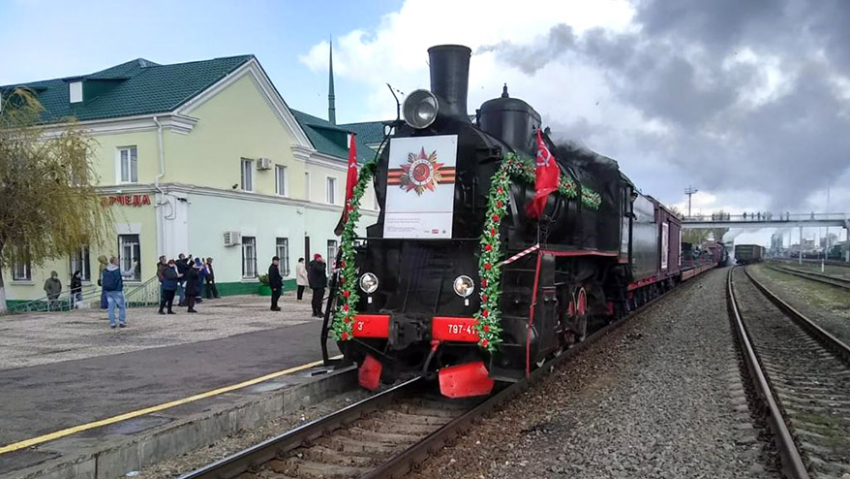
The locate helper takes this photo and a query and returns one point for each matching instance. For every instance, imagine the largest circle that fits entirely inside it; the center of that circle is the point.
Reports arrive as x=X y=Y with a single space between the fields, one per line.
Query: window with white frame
x=331 y=191
x=332 y=245
x=128 y=165
x=247 y=175
x=282 y=252
x=22 y=271
x=80 y=261
x=280 y=185
x=307 y=185
x=249 y=257
x=130 y=256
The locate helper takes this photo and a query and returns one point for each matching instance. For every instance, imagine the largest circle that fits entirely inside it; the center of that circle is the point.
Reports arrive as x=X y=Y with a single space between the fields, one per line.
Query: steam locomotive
x=571 y=270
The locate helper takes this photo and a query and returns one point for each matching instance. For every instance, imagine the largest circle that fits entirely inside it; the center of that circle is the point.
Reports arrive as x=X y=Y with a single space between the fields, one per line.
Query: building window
x=331 y=191
x=22 y=271
x=331 y=255
x=247 y=175
x=130 y=252
x=249 y=257
x=282 y=252
x=280 y=180
x=128 y=168
x=307 y=185
x=80 y=261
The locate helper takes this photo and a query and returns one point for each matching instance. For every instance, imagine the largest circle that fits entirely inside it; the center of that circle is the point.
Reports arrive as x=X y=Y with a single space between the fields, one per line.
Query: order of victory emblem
x=421 y=172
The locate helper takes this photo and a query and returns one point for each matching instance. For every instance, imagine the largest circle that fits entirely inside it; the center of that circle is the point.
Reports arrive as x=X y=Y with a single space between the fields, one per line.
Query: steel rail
x=820 y=278
x=792 y=462
x=402 y=463
x=824 y=337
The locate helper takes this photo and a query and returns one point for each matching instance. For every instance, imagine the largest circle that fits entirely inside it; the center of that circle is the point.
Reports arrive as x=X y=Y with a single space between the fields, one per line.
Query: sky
x=749 y=102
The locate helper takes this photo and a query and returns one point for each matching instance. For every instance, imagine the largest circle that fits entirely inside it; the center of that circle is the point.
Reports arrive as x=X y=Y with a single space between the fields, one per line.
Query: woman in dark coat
x=170 y=277
x=192 y=287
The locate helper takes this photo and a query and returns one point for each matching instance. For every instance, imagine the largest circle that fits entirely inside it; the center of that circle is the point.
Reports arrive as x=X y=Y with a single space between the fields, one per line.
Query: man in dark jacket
x=212 y=291
x=182 y=268
x=275 y=282
x=170 y=276
x=192 y=282
x=318 y=278
x=76 y=288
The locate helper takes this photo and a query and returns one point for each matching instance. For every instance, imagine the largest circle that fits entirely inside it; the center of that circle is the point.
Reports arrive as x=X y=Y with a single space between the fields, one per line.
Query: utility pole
x=690 y=191
x=800 y=262
x=826 y=240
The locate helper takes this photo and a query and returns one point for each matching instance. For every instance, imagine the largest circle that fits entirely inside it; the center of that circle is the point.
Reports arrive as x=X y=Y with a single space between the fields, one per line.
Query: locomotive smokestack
x=450 y=78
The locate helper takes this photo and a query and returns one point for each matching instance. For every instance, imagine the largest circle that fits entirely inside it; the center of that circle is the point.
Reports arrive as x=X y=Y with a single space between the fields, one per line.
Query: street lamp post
x=690 y=191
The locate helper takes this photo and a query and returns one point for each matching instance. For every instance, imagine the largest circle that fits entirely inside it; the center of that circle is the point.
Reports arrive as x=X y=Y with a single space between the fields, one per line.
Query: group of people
x=313 y=275
x=188 y=278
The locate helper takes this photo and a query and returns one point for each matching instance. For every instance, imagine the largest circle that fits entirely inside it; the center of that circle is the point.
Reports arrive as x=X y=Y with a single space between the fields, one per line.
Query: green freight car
x=748 y=253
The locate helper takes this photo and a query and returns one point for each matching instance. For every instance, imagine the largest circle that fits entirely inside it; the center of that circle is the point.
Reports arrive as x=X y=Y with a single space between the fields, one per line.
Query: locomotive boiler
x=588 y=259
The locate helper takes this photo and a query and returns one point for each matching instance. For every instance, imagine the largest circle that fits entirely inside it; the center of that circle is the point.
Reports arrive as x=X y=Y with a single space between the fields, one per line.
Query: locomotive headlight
x=368 y=283
x=420 y=109
x=463 y=286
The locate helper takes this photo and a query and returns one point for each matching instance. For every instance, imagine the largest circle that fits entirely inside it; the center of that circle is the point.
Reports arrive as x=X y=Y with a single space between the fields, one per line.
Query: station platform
x=72 y=388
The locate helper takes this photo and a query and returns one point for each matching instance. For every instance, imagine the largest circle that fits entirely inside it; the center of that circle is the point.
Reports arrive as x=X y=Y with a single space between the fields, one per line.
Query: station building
x=204 y=158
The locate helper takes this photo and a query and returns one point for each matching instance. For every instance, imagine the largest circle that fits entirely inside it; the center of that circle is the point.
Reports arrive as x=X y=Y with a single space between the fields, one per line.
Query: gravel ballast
x=660 y=397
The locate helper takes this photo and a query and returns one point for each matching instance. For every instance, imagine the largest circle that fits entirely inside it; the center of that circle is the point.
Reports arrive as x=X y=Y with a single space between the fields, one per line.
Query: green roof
x=369 y=132
x=137 y=87
x=331 y=139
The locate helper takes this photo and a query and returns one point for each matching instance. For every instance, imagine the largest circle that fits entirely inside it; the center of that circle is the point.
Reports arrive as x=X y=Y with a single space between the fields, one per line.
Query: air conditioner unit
x=264 y=164
x=232 y=238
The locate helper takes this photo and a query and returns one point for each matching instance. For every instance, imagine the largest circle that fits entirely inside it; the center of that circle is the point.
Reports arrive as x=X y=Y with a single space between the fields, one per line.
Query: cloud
x=749 y=101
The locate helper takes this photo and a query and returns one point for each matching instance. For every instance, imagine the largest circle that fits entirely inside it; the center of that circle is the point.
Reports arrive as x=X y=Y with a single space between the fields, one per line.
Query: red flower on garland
x=488 y=266
x=345 y=337
x=484 y=313
x=486 y=328
x=499 y=204
x=346 y=293
x=484 y=283
x=345 y=307
x=484 y=342
x=493 y=232
x=495 y=218
x=484 y=298
x=488 y=248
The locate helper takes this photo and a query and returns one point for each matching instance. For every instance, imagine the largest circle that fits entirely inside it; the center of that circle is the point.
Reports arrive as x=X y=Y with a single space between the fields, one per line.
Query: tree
x=50 y=206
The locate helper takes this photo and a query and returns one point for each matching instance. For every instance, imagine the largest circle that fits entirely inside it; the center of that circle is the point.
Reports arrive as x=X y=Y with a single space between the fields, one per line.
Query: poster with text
x=421 y=187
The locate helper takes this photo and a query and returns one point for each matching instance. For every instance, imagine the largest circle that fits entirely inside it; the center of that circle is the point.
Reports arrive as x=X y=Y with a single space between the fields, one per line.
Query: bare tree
x=50 y=207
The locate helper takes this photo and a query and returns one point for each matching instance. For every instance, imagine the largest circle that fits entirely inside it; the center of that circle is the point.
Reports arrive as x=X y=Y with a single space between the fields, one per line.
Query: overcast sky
x=748 y=101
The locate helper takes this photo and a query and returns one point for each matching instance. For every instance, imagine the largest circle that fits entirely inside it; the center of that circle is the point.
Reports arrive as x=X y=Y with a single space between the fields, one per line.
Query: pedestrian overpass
x=767 y=220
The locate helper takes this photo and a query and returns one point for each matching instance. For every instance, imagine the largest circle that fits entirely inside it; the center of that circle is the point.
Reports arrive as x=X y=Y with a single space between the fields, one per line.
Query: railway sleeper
x=395 y=417
x=329 y=456
x=356 y=446
x=396 y=428
x=315 y=470
x=382 y=437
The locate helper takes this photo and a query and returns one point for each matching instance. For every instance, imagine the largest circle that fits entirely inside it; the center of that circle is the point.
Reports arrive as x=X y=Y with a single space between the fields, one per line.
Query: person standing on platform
x=76 y=288
x=212 y=291
x=113 y=284
x=202 y=278
x=301 y=278
x=182 y=268
x=103 y=262
x=275 y=282
x=170 y=277
x=318 y=282
x=191 y=289
x=53 y=288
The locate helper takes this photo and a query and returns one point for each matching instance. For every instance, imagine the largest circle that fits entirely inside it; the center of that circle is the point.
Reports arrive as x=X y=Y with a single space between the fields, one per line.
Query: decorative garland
x=348 y=292
x=489 y=264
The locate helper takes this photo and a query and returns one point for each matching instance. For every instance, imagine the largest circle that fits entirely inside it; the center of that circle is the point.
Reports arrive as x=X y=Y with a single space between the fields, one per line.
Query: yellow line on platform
x=141 y=412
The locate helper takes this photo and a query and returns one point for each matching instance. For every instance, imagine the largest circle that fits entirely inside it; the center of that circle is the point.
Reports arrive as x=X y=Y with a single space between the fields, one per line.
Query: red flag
x=546 y=178
x=351 y=181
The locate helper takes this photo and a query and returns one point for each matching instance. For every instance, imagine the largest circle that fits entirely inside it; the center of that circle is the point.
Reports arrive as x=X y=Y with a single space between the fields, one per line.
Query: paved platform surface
x=155 y=360
x=42 y=338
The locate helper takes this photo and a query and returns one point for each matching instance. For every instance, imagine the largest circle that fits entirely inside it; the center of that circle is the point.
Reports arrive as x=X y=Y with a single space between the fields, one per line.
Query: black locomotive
x=585 y=265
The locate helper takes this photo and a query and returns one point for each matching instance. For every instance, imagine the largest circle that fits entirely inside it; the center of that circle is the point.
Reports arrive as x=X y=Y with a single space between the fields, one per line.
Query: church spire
x=331 y=97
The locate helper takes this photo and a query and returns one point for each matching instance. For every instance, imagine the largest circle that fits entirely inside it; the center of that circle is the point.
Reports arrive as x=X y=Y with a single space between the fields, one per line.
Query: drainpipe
x=160 y=234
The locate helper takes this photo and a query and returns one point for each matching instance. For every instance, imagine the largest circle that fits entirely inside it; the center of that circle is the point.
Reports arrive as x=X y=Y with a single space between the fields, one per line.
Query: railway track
x=801 y=376
x=820 y=278
x=385 y=435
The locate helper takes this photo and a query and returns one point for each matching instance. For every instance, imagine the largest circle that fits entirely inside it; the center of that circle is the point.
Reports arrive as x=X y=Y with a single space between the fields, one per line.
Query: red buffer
x=465 y=380
x=369 y=374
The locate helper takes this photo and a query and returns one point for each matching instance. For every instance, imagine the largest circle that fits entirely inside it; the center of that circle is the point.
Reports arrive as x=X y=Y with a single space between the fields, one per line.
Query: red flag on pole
x=350 y=184
x=351 y=181
x=546 y=178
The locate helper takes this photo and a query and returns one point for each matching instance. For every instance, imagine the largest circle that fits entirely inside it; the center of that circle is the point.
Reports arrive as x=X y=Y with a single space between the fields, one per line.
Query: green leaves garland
x=348 y=293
